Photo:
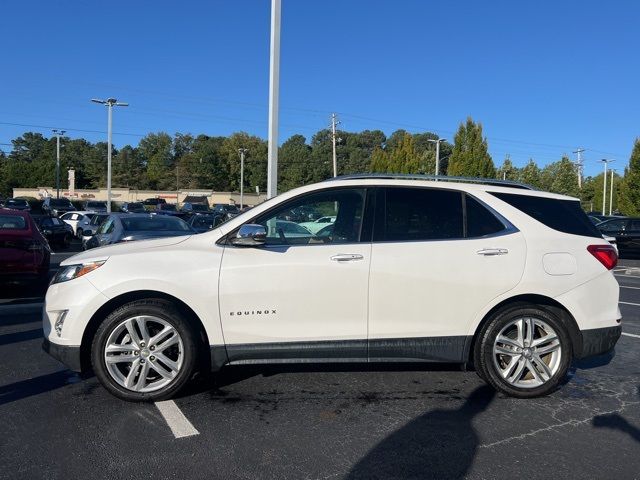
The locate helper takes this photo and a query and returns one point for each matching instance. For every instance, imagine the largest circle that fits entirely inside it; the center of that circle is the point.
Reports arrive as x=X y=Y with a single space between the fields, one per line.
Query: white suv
x=514 y=282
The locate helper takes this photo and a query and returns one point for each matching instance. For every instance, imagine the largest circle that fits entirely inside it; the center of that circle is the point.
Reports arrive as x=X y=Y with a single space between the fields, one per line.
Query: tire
x=166 y=371
x=520 y=365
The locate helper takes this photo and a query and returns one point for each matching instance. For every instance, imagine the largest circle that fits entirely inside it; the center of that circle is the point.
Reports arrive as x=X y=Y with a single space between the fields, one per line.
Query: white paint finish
x=559 y=263
x=314 y=297
x=179 y=424
x=436 y=288
x=630 y=335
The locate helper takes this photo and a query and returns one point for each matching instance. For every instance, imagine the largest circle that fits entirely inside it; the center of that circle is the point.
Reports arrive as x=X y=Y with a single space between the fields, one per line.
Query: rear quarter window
x=562 y=215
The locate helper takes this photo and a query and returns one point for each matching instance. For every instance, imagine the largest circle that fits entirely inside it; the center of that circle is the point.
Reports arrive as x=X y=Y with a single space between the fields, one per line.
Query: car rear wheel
x=144 y=351
x=524 y=352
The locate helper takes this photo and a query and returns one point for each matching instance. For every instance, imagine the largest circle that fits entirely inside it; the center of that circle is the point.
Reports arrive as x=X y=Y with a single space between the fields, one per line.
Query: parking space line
x=630 y=335
x=629 y=303
x=178 y=423
x=634 y=288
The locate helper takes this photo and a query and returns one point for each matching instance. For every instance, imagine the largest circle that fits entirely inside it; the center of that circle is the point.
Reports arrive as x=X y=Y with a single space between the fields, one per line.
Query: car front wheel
x=144 y=351
x=524 y=352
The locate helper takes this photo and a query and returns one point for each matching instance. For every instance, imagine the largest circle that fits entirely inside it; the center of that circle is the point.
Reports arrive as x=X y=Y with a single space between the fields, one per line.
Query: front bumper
x=69 y=355
x=597 y=341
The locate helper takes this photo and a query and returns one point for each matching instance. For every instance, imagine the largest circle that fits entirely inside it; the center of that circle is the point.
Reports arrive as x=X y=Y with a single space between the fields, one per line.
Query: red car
x=24 y=252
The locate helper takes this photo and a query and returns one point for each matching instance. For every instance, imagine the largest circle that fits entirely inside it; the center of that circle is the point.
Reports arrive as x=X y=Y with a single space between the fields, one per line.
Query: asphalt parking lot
x=317 y=423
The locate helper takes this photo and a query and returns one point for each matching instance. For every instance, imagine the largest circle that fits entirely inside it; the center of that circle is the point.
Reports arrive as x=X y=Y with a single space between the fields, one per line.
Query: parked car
x=137 y=226
x=55 y=207
x=132 y=207
x=91 y=229
x=79 y=221
x=24 y=252
x=204 y=223
x=17 y=204
x=55 y=231
x=151 y=203
x=195 y=208
x=95 y=206
x=167 y=209
x=515 y=283
x=626 y=231
x=228 y=210
x=318 y=224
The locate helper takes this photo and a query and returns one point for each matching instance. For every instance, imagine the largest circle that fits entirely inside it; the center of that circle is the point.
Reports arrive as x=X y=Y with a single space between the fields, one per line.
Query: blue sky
x=542 y=77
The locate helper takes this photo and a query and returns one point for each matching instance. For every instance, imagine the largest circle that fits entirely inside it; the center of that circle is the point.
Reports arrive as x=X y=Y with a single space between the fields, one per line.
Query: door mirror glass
x=250 y=235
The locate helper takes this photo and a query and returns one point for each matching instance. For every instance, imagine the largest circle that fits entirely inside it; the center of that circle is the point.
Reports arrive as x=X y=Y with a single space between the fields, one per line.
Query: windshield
x=168 y=206
x=60 y=202
x=17 y=202
x=156 y=223
x=98 y=219
x=12 y=222
x=135 y=206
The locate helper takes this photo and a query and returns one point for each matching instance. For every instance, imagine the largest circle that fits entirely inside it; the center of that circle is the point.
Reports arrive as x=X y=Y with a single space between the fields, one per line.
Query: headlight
x=70 y=272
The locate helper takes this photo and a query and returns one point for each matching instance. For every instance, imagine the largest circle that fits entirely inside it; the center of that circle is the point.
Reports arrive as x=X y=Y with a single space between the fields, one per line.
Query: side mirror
x=250 y=235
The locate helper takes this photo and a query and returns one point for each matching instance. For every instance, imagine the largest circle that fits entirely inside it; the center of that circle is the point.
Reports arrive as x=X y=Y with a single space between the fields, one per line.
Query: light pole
x=274 y=89
x=58 y=133
x=604 y=190
x=611 y=193
x=437 y=142
x=242 y=151
x=109 y=102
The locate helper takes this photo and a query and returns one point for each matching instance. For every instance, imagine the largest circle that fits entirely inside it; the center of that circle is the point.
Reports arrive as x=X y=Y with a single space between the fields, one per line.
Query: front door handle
x=346 y=257
x=488 y=252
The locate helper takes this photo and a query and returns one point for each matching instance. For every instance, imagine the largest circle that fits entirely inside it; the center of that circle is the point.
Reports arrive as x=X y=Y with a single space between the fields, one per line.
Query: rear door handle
x=346 y=257
x=488 y=252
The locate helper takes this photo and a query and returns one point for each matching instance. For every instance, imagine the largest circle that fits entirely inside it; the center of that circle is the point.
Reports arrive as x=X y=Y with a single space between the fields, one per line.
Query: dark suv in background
x=55 y=207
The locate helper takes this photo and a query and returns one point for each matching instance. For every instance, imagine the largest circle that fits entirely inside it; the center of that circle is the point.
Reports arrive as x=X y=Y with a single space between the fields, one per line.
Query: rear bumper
x=599 y=340
x=69 y=355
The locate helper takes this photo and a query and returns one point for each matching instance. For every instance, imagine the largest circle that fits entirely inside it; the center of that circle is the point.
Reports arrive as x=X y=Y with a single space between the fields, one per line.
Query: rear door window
x=480 y=220
x=415 y=214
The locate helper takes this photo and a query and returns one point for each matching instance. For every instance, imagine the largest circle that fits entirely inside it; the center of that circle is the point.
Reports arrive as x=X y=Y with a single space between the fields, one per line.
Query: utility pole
x=58 y=133
x=274 y=88
x=604 y=191
x=611 y=193
x=334 y=123
x=437 y=142
x=109 y=102
x=579 y=165
x=242 y=151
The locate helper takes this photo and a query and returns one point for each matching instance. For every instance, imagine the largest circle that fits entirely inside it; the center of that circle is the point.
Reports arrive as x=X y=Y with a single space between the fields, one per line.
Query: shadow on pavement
x=617 y=422
x=35 y=386
x=439 y=444
x=20 y=336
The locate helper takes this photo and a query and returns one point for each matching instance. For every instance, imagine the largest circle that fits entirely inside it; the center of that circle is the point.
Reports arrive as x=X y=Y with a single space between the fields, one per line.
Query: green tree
x=470 y=155
x=156 y=152
x=294 y=162
x=508 y=171
x=630 y=187
x=565 y=178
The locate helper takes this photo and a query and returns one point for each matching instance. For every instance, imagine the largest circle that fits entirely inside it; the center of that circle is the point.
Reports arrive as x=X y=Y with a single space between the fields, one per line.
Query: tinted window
x=420 y=214
x=635 y=225
x=283 y=227
x=612 y=225
x=562 y=215
x=199 y=208
x=480 y=221
x=11 y=222
x=168 y=206
x=60 y=202
x=106 y=227
x=16 y=202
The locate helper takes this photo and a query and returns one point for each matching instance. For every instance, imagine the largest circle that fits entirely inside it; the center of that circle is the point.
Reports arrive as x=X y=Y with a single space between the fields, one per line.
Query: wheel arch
x=118 y=301
x=547 y=303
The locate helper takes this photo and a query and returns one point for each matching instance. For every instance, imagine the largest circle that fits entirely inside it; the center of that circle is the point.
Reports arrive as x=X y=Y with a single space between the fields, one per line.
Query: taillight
x=605 y=254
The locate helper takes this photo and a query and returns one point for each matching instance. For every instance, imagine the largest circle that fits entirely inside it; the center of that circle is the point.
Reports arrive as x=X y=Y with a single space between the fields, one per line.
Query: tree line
x=183 y=161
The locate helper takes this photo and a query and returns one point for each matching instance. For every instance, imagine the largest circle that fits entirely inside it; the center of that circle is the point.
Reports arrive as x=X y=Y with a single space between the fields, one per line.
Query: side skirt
x=451 y=349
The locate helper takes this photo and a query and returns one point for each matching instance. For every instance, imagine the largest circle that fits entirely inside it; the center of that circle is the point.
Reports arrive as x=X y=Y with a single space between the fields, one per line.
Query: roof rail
x=437 y=178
